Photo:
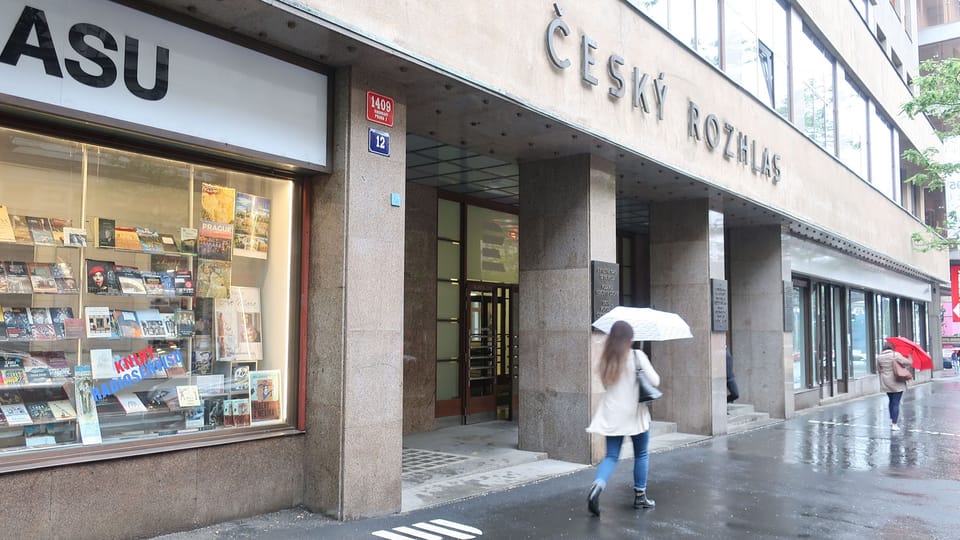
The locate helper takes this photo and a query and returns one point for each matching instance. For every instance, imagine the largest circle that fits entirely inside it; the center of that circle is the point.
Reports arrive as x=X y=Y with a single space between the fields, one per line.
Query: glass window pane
x=448 y=380
x=799 y=335
x=448 y=260
x=814 y=90
x=708 y=30
x=853 y=128
x=493 y=246
x=881 y=153
x=448 y=219
x=859 y=352
x=448 y=300
x=448 y=339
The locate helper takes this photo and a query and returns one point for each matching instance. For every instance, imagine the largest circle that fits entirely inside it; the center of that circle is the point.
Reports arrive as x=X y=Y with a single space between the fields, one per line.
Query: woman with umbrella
x=620 y=414
x=889 y=382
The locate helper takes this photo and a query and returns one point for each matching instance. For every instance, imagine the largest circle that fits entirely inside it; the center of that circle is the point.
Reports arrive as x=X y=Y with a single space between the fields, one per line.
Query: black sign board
x=719 y=305
x=605 y=285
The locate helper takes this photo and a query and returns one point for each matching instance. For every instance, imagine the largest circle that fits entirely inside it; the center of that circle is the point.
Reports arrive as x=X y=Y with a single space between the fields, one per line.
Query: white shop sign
x=102 y=58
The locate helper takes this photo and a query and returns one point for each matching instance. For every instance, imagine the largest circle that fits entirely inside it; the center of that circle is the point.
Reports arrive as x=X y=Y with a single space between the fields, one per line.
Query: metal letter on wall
x=788 y=306
x=719 y=305
x=605 y=285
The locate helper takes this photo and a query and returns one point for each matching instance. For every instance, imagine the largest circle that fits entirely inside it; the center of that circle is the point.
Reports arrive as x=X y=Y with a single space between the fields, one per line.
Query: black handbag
x=648 y=392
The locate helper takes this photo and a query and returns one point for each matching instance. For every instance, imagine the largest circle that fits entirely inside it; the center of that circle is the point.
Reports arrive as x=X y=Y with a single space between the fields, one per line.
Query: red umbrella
x=921 y=358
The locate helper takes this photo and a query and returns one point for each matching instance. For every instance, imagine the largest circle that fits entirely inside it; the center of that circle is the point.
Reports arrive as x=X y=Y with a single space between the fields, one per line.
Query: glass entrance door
x=491 y=353
x=828 y=340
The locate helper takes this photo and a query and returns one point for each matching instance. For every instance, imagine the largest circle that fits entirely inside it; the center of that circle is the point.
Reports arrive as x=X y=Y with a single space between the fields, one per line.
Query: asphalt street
x=835 y=472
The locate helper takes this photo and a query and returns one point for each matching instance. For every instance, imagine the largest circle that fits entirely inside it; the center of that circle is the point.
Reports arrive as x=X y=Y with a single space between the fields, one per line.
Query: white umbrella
x=648 y=324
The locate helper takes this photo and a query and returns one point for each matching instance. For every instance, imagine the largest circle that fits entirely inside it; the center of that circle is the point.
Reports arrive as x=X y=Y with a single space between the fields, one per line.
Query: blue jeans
x=641 y=460
x=894 y=405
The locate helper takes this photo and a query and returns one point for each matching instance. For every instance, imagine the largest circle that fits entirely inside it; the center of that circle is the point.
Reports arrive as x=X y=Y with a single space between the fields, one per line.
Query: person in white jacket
x=619 y=414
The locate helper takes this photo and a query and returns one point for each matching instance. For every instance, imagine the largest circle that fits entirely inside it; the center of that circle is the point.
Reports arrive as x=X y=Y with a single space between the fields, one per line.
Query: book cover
x=210 y=385
x=10 y=397
x=126 y=238
x=17 y=321
x=102 y=277
x=173 y=363
x=98 y=321
x=203 y=316
x=57 y=226
x=110 y=404
x=57 y=364
x=40 y=231
x=127 y=323
x=155 y=400
x=39 y=435
x=188 y=239
x=151 y=324
x=183 y=319
x=265 y=395
x=169 y=324
x=193 y=417
x=183 y=283
x=3 y=278
x=152 y=283
x=217 y=203
x=130 y=403
x=101 y=364
x=13 y=376
x=6 y=227
x=40 y=412
x=251 y=235
x=16 y=414
x=213 y=412
x=167 y=284
x=74 y=237
x=18 y=278
x=36 y=370
x=218 y=249
x=169 y=243
x=62 y=409
x=106 y=232
x=74 y=328
x=41 y=277
x=21 y=231
x=63 y=275
x=149 y=240
x=58 y=317
x=241 y=412
x=213 y=279
x=240 y=380
x=237 y=328
x=130 y=280
x=228 y=417
x=202 y=363
x=87 y=418
x=188 y=396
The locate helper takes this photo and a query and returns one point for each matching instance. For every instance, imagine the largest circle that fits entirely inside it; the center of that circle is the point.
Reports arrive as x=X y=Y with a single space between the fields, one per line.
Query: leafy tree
x=937 y=96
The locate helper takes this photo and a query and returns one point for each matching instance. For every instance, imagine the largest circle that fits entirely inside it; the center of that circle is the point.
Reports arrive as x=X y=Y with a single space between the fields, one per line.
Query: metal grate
x=416 y=460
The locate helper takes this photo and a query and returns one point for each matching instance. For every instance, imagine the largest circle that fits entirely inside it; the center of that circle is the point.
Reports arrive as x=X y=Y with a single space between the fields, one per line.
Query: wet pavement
x=835 y=472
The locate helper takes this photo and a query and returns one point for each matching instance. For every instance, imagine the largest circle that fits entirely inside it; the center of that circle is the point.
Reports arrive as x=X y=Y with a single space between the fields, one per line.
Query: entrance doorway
x=828 y=339
x=490 y=353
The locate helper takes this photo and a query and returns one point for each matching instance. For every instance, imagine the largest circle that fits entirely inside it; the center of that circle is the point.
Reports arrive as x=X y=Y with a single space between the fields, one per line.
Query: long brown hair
x=615 y=352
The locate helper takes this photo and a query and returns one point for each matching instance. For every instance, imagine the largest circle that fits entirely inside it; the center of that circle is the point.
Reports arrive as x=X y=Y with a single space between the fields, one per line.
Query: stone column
x=354 y=380
x=567 y=219
x=686 y=252
x=761 y=350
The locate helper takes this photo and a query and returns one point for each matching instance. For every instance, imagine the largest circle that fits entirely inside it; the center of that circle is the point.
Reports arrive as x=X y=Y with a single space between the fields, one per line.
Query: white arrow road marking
x=417 y=534
x=458 y=526
x=441 y=530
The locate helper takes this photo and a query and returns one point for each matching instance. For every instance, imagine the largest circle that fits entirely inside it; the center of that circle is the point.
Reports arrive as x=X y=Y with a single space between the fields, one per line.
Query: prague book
x=213 y=279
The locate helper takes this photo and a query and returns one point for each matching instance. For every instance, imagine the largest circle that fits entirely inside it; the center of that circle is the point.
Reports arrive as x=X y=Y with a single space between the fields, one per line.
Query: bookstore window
x=141 y=297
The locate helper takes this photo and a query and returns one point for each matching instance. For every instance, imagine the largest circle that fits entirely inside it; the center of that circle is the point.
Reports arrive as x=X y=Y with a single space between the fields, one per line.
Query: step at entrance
x=742 y=417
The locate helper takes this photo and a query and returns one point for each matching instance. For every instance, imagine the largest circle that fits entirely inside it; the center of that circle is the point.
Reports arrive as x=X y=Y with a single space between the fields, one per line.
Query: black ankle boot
x=640 y=500
x=593 y=500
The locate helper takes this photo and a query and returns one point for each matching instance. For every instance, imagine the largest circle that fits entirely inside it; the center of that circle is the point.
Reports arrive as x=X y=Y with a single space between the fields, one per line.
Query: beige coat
x=888 y=382
x=618 y=412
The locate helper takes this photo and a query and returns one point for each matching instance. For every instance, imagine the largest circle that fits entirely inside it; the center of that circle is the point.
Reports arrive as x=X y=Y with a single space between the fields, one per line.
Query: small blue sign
x=394 y=199
x=379 y=142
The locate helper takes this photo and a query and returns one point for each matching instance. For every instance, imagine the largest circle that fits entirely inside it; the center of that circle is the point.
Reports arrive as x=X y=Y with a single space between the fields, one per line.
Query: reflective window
x=852 y=127
x=859 y=352
x=861 y=6
x=755 y=42
x=801 y=300
x=694 y=22
x=885 y=321
x=881 y=154
x=934 y=12
x=814 y=90
x=943 y=49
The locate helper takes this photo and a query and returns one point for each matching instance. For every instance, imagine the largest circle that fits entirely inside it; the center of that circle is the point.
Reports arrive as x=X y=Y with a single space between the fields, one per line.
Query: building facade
x=307 y=228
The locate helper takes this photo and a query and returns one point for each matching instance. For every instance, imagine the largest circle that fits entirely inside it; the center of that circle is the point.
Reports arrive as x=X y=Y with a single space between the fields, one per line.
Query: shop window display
x=141 y=297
